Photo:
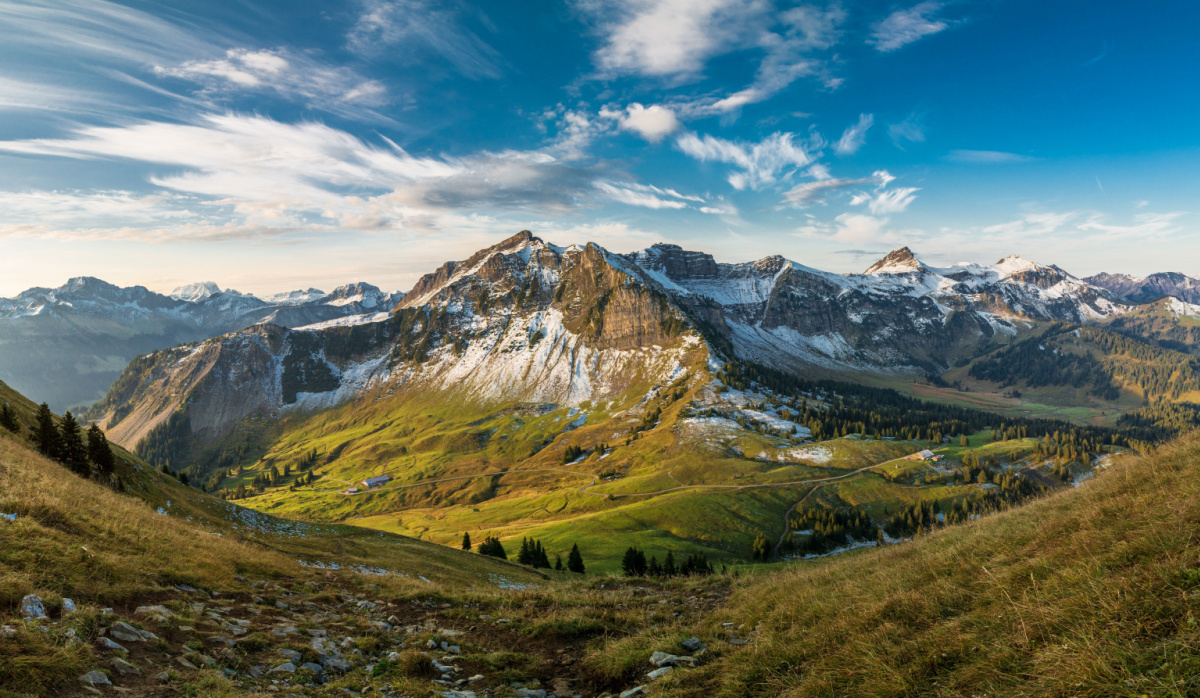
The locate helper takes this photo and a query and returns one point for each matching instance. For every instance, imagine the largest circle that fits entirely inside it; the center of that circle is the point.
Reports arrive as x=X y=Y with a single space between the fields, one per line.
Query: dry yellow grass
x=1093 y=591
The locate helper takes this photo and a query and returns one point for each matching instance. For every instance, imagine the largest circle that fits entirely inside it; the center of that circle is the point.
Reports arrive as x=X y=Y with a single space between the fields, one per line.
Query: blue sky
x=276 y=145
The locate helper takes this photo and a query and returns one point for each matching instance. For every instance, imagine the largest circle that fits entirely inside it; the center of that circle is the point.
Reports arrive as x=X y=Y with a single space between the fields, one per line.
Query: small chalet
x=926 y=455
x=376 y=481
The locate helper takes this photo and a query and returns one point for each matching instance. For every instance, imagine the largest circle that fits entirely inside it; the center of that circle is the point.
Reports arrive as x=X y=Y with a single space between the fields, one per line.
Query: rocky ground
x=331 y=635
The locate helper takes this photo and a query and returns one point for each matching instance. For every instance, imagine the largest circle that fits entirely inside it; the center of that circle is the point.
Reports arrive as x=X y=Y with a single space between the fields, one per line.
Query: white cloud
x=408 y=30
x=292 y=76
x=818 y=192
x=255 y=176
x=903 y=27
x=911 y=130
x=653 y=123
x=670 y=38
x=859 y=228
x=760 y=163
x=1037 y=224
x=893 y=201
x=853 y=137
x=643 y=198
x=986 y=157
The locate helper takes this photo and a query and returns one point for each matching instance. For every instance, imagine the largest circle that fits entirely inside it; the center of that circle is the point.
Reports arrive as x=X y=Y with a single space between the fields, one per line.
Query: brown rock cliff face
x=611 y=309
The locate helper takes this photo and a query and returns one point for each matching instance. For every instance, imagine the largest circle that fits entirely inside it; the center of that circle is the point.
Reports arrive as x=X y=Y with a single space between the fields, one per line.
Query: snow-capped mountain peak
x=1014 y=264
x=901 y=261
x=196 y=292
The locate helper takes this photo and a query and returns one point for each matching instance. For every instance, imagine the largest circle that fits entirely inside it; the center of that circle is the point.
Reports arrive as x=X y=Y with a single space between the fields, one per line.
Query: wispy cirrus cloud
x=759 y=164
x=410 y=30
x=293 y=76
x=987 y=157
x=903 y=27
x=855 y=136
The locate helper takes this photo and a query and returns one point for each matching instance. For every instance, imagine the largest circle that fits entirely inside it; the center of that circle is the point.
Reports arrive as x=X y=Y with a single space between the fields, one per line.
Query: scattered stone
x=658 y=673
x=124 y=668
x=662 y=659
x=634 y=692
x=313 y=667
x=68 y=606
x=281 y=632
x=106 y=611
x=127 y=633
x=337 y=664
x=257 y=671
x=185 y=588
x=164 y=677
x=531 y=692
x=183 y=662
x=443 y=668
x=285 y=668
x=458 y=694
x=32 y=608
x=317 y=632
x=692 y=644
x=71 y=636
x=7 y=631
x=477 y=677
x=110 y=645
x=233 y=629
x=290 y=655
x=95 y=678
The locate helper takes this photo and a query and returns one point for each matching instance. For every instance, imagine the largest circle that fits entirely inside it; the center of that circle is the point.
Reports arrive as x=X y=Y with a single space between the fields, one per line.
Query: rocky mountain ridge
x=1145 y=289
x=529 y=321
x=66 y=345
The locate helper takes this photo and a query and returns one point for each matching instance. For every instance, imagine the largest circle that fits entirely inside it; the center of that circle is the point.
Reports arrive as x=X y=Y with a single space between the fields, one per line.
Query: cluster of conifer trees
x=828 y=529
x=67 y=444
x=532 y=553
x=635 y=564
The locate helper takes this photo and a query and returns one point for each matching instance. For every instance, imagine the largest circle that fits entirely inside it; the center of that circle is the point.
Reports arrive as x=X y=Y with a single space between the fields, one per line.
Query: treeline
x=1039 y=362
x=1062 y=356
x=635 y=564
x=830 y=409
x=827 y=529
x=532 y=553
x=272 y=476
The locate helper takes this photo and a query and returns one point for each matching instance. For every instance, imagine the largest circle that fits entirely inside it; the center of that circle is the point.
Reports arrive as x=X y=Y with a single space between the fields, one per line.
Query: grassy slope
x=76 y=539
x=1092 y=591
x=424 y=437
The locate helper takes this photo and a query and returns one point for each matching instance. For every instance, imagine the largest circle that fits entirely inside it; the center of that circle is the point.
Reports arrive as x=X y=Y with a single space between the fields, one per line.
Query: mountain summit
x=899 y=261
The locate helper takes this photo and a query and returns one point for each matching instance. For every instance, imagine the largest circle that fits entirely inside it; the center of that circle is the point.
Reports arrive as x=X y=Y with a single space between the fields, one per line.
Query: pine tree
x=540 y=557
x=99 y=452
x=525 y=555
x=466 y=542
x=491 y=547
x=669 y=569
x=558 y=565
x=46 y=436
x=72 y=452
x=8 y=418
x=575 y=560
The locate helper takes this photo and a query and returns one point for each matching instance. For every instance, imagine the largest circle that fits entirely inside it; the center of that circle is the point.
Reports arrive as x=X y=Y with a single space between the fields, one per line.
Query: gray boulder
x=692 y=644
x=285 y=668
x=95 y=678
x=290 y=655
x=110 y=645
x=124 y=668
x=68 y=606
x=32 y=608
x=127 y=633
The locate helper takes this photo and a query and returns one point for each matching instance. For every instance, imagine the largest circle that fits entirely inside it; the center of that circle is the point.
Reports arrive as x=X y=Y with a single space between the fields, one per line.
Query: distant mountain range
x=66 y=345
x=1144 y=289
x=529 y=321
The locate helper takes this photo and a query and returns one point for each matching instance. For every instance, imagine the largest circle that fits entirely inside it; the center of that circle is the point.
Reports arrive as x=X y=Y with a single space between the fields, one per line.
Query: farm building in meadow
x=925 y=455
x=376 y=481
